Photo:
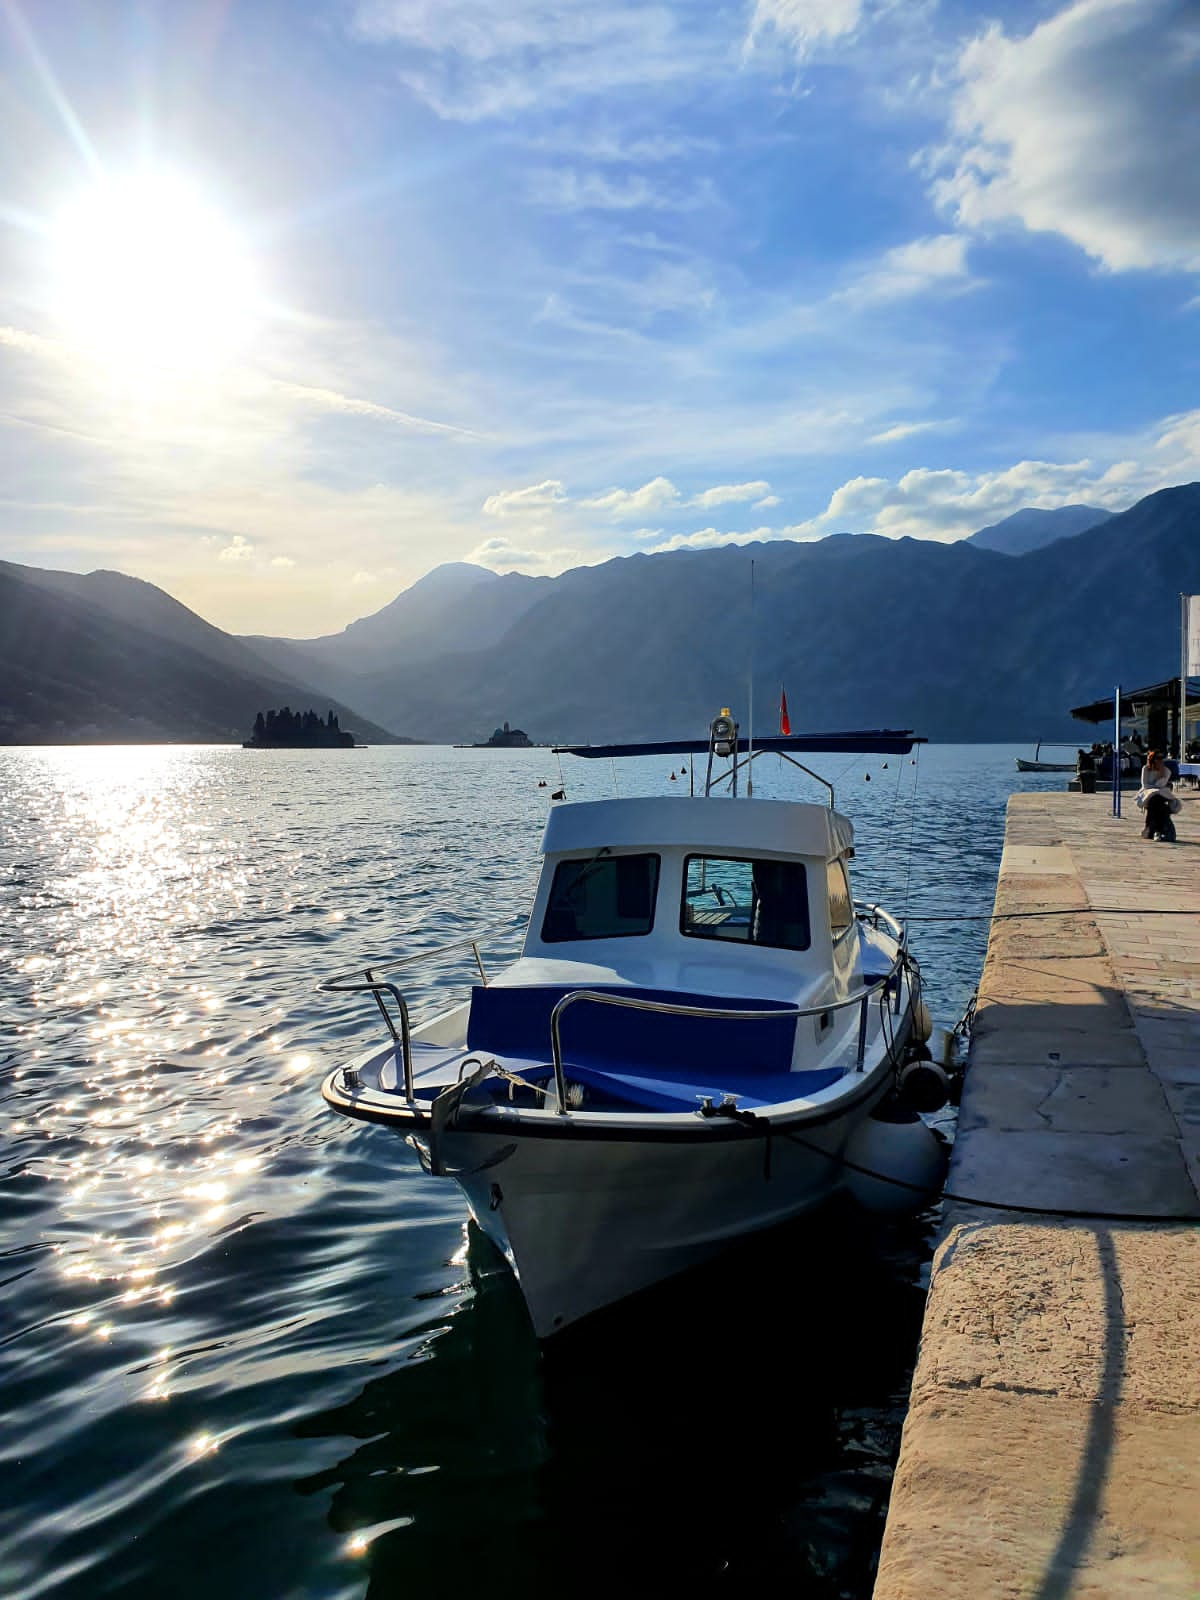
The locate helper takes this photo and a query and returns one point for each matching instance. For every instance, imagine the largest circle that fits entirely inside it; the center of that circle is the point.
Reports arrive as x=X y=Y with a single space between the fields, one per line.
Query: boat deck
x=1052 y=1446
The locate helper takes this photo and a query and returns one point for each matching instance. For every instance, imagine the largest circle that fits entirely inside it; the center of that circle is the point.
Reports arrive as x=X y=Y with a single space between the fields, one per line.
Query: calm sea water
x=246 y=1349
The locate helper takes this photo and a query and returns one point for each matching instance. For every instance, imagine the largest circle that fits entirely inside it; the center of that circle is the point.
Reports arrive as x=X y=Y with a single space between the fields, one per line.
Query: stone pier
x=1052 y=1446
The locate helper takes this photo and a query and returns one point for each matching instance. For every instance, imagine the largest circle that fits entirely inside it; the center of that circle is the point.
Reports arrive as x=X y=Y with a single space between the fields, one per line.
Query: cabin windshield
x=601 y=897
x=746 y=900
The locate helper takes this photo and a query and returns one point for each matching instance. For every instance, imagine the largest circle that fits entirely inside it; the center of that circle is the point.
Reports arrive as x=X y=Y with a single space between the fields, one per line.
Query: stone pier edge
x=1052 y=1444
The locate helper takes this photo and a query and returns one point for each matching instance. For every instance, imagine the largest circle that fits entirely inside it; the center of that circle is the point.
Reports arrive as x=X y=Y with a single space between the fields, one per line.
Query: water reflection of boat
x=701 y=1039
x=473 y=1442
x=1038 y=765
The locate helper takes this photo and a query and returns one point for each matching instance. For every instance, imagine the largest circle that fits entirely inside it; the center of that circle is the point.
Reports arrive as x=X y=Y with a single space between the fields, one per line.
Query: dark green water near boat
x=247 y=1349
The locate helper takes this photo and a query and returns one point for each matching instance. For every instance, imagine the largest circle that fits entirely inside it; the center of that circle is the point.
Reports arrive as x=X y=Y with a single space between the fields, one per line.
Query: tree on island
x=304 y=730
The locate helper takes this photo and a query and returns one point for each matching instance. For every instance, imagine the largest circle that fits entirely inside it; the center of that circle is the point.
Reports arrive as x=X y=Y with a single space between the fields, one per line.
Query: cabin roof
x=723 y=825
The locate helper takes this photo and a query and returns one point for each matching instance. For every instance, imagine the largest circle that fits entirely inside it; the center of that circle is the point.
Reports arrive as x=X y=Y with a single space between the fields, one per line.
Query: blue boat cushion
x=516 y=1022
x=669 y=1092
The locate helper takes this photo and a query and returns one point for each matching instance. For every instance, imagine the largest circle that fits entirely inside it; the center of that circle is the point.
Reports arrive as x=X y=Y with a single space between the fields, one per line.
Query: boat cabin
x=740 y=905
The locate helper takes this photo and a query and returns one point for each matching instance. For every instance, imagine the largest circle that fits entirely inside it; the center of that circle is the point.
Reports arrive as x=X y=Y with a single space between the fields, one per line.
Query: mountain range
x=992 y=637
x=103 y=658
x=1032 y=528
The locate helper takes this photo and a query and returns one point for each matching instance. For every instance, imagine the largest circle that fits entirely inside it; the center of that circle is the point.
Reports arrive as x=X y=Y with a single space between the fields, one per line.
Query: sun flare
x=149 y=274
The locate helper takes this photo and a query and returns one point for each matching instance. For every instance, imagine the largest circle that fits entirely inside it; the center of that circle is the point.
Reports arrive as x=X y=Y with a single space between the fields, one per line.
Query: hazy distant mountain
x=105 y=657
x=477 y=606
x=1032 y=529
x=958 y=641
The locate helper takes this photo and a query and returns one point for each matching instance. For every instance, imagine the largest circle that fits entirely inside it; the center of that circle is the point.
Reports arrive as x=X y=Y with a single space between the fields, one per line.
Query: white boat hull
x=586 y=1222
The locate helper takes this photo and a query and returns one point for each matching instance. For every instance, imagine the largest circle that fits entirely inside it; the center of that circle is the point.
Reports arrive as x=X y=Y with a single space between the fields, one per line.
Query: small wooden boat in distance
x=1038 y=765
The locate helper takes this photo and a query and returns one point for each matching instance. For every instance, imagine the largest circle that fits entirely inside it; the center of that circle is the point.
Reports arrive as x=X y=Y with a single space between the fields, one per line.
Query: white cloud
x=652 y=496
x=1086 y=127
x=947 y=504
x=330 y=400
x=767 y=501
x=904 y=430
x=939 y=261
x=727 y=494
x=475 y=59
x=502 y=555
x=364 y=580
x=238 y=549
x=568 y=189
x=709 y=539
x=538 y=499
x=31 y=344
x=615 y=148
x=282 y=561
x=801 y=24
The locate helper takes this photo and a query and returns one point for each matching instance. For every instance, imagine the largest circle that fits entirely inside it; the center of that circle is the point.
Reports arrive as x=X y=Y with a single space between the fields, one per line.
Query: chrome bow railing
x=368 y=983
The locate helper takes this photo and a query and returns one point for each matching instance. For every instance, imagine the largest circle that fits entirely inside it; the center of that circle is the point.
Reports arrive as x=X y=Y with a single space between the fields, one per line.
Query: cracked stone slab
x=1067 y=1099
x=1032 y=1041
x=1127 y=1173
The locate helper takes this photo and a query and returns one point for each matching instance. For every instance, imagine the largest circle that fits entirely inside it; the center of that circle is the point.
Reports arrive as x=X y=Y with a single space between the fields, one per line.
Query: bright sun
x=148 y=274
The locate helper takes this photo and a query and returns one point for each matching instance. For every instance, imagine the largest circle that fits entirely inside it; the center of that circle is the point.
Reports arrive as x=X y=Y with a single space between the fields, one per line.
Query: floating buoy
x=559 y=794
x=541 y=783
x=683 y=769
x=904 y=1161
x=866 y=777
x=923 y=1085
x=885 y=766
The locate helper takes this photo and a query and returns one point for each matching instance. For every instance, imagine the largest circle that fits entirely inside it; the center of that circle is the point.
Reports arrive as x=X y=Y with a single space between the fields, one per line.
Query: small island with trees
x=295 y=730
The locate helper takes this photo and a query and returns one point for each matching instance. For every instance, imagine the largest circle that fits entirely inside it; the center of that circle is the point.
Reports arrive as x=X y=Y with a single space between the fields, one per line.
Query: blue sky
x=299 y=298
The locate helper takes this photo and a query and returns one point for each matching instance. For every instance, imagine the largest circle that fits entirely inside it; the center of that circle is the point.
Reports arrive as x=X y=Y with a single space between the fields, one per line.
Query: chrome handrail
x=470 y=942
x=368 y=983
x=608 y=998
x=866 y=908
x=378 y=988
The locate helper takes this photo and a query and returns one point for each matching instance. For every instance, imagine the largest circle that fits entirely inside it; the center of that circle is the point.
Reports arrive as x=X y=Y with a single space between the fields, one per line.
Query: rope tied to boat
x=728 y=1107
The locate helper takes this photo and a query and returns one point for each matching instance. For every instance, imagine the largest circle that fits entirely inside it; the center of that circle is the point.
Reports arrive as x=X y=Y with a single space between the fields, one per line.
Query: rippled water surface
x=247 y=1349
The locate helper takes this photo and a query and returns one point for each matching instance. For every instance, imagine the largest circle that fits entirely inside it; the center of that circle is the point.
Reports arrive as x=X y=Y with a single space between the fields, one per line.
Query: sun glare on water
x=147 y=273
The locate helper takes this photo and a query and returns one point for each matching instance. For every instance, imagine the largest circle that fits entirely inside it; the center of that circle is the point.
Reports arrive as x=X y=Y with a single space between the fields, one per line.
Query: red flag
x=785 y=726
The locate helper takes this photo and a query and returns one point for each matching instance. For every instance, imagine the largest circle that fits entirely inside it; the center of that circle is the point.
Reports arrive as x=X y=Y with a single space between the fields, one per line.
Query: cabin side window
x=841 y=901
x=747 y=901
x=601 y=897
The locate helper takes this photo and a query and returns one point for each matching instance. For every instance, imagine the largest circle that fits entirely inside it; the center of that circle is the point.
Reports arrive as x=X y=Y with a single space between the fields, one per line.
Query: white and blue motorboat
x=701 y=1038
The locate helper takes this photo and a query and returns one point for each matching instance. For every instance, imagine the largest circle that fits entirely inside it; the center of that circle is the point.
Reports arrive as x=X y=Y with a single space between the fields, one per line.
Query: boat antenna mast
x=723 y=742
x=750 y=717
